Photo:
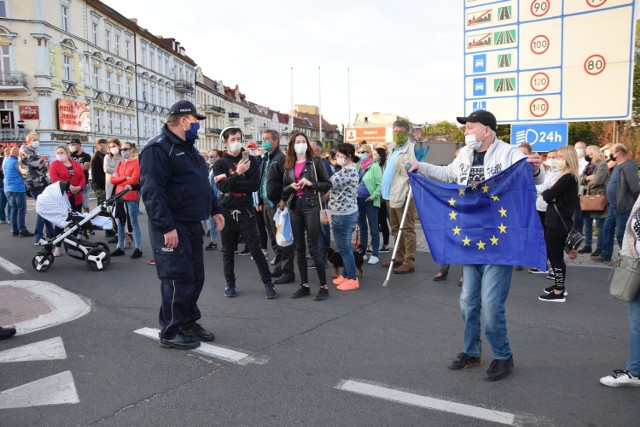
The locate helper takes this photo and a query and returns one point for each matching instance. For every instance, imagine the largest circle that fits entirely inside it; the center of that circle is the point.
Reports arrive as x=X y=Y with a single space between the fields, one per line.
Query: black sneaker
x=551 y=276
x=302 y=291
x=585 y=250
x=597 y=252
x=118 y=252
x=383 y=250
x=311 y=264
x=549 y=290
x=180 y=342
x=230 y=290
x=211 y=247
x=137 y=253
x=25 y=233
x=284 y=280
x=245 y=251
x=197 y=332
x=322 y=294
x=270 y=291
x=463 y=360
x=552 y=297
x=498 y=369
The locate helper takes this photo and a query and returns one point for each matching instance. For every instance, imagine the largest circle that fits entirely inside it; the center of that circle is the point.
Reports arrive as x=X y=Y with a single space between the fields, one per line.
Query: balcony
x=234 y=115
x=214 y=109
x=212 y=131
x=184 y=86
x=13 y=81
x=248 y=120
x=19 y=134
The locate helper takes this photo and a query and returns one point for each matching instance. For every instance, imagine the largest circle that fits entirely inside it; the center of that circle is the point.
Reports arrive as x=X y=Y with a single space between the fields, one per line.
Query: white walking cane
x=397 y=241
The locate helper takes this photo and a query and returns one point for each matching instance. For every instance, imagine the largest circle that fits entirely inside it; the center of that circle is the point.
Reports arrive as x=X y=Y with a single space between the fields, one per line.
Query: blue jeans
x=633 y=361
x=324 y=237
x=485 y=287
x=213 y=231
x=18 y=206
x=613 y=228
x=343 y=228
x=133 y=211
x=85 y=196
x=3 y=205
x=368 y=213
x=41 y=222
x=588 y=230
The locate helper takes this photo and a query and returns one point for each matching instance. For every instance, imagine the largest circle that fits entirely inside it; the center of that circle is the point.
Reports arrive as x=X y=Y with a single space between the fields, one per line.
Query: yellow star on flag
x=457 y=230
x=503 y=228
x=495 y=198
x=466 y=241
x=485 y=188
x=453 y=215
x=503 y=211
x=474 y=187
x=494 y=240
x=461 y=191
x=480 y=245
x=452 y=202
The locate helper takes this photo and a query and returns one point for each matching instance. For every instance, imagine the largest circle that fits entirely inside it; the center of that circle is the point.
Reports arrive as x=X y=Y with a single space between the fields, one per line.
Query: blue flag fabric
x=493 y=222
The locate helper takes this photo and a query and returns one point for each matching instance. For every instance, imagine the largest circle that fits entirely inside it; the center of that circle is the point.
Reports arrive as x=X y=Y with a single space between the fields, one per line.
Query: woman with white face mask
x=111 y=160
x=369 y=191
x=305 y=177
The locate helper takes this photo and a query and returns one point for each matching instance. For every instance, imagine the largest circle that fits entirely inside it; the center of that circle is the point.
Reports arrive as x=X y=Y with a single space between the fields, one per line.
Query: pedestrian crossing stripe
x=51 y=349
x=57 y=389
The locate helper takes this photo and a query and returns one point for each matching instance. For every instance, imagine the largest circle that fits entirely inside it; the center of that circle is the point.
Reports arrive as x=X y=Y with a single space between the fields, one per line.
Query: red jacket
x=59 y=172
x=124 y=169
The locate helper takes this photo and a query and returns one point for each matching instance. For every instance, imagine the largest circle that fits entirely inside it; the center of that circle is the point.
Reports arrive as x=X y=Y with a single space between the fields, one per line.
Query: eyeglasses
x=363 y=152
x=125 y=149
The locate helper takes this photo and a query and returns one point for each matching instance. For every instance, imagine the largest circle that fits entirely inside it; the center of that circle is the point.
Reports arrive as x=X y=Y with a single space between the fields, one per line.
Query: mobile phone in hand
x=245 y=155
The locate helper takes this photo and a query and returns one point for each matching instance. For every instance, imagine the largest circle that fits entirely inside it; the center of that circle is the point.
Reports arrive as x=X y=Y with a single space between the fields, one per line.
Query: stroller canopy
x=53 y=205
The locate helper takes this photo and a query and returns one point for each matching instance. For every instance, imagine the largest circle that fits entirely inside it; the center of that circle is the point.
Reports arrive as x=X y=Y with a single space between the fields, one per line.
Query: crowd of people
x=233 y=195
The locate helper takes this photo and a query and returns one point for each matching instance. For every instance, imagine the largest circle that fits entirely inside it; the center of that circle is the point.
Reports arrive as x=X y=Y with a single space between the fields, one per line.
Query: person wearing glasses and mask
x=369 y=189
x=127 y=175
x=177 y=197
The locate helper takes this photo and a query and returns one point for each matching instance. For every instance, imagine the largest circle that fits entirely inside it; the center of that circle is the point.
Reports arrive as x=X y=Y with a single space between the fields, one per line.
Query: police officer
x=177 y=197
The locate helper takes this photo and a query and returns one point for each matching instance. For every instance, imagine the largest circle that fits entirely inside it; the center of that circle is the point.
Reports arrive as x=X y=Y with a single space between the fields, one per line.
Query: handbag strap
x=561 y=219
x=315 y=172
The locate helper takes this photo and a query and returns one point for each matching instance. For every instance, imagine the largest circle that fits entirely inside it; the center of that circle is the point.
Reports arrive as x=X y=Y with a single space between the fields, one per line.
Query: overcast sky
x=405 y=56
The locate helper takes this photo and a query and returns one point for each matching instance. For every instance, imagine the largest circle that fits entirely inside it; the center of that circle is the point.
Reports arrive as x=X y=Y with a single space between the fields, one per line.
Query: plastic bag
x=284 y=235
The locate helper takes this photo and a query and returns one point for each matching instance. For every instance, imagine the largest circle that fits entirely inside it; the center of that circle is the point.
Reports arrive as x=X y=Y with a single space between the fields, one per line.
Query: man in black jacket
x=237 y=176
x=97 y=170
x=270 y=193
x=177 y=197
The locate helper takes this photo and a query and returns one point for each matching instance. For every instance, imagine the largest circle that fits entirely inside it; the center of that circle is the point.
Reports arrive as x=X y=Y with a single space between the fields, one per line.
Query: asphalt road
x=307 y=358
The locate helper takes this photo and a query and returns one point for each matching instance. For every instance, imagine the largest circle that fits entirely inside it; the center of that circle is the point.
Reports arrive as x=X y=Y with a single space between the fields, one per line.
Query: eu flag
x=492 y=222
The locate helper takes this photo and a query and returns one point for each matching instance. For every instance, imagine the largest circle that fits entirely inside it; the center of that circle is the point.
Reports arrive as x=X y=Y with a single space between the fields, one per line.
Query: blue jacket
x=175 y=184
x=13 y=182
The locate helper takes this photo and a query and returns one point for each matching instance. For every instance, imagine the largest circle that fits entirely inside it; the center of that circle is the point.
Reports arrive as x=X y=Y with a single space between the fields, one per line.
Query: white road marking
x=66 y=306
x=223 y=353
x=10 y=267
x=51 y=349
x=413 y=399
x=54 y=390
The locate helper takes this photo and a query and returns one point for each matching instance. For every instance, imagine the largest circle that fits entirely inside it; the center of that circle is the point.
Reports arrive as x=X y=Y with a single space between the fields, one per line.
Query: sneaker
x=230 y=290
x=585 y=250
x=14 y=233
x=373 y=260
x=597 y=252
x=349 y=285
x=498 y=369
x=270 y=291
x=197 y=332
x=302 y=291
x=463 y=360
x=322 y=294
x=151 y=261
x=311 y=264
x=384 y=250
x=620 y=378
x=211 y=247
x=42 y=242
x=57 y=252
x=25 y=233
x=549 y=290
x=273 y=261
x=180 y=342
x=339 y=280
x=552 y=297
x=245 y=251
x=137 y=253
x=4 y=221
x=551 y=276
x=117 y=252
x=536 y=271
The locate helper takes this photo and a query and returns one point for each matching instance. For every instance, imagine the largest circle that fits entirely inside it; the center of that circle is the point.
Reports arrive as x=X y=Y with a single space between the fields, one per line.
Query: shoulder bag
x=593 y=202
x=624 y=279
x=574 y=238
x=325 y=214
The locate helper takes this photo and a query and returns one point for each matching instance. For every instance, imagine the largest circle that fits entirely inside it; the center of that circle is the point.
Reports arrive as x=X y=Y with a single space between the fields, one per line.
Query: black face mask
x=588 y=158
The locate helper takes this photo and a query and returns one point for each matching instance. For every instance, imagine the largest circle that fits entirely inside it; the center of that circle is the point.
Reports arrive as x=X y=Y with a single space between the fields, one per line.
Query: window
x=154 y=125
x=107 y=39
x=143 y=54
x=145 y=90
x=96 y=77
x=118 y=82
x=66 y=66
x=94 y=29
x=127 y=125
x=108 y=80
x=128 y=83
x=152 y=58
x=127 y=44
x=98 y=121
x=117 y=45
x=64 y=12
x=3 y=9
x=110 y=123
x=166 y=64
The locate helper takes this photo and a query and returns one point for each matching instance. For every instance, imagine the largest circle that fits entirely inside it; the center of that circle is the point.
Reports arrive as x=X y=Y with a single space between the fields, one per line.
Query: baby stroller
x=53 y=205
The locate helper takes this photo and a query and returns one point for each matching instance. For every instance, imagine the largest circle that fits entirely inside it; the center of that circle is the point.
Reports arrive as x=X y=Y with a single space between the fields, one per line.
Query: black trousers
x=555 y=240
x=262 y=231
x=181 y=274
x=283 y=256
x=237 y=222
x=383 y=223
x=305 y=225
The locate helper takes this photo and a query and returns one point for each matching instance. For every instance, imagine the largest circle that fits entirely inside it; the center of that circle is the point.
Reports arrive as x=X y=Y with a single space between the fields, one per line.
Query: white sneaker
x=373 y=259
x=42 y=242
x=620 y=378
x=57 y=252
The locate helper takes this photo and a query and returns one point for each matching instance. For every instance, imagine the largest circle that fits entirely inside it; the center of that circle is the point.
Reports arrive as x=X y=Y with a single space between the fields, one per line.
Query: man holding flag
x=486 y=221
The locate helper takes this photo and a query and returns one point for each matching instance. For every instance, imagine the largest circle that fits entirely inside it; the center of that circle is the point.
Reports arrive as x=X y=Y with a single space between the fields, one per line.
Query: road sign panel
x=480 y=63
x=542 y=136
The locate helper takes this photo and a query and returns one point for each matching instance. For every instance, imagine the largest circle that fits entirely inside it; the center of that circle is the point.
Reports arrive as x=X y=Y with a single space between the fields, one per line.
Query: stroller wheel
x=98 y=259
x=104 y=246
x=42 y=261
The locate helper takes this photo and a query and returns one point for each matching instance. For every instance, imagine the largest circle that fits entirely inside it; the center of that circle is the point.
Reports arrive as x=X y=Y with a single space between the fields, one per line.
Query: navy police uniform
x=177 y=195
